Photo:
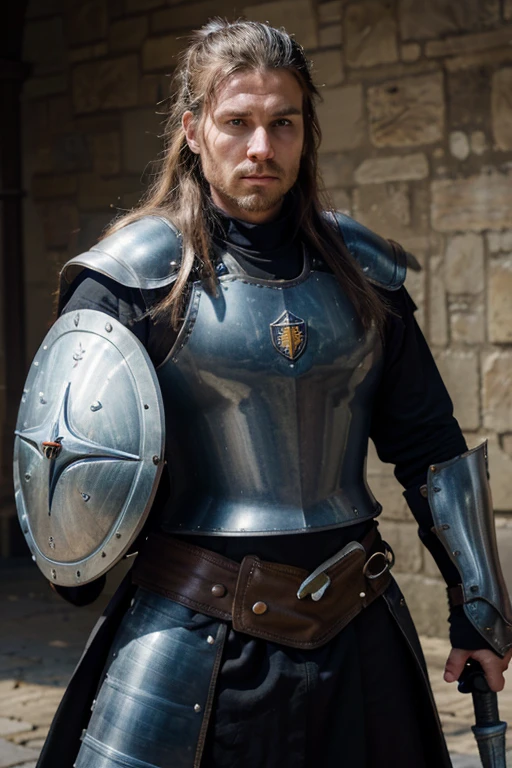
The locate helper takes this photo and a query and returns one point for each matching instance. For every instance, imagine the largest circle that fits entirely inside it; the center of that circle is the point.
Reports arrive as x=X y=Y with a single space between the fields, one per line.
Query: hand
x=493 y=666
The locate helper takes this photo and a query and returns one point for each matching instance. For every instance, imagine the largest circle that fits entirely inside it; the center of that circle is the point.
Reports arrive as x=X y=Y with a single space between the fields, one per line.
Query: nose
x=260 y=147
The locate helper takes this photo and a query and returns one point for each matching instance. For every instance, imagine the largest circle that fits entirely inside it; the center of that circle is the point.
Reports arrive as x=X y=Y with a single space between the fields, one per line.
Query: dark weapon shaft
x=489 y=731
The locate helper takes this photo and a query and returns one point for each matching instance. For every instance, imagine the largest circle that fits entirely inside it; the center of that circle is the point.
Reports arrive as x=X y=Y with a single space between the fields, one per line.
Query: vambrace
x=461 y=505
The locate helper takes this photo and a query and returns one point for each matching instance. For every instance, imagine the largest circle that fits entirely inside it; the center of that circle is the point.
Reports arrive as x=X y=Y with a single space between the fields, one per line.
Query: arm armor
x=461 y=504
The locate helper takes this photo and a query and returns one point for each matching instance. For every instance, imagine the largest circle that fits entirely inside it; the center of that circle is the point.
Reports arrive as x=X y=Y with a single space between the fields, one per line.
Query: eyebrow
x=285 y=112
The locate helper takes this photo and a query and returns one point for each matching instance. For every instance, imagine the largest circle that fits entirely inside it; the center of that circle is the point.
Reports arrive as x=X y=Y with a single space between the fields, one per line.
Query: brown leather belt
x=276 y=602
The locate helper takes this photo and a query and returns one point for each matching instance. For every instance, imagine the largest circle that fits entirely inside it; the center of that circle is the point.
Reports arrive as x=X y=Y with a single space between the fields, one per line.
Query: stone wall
x=417 y=122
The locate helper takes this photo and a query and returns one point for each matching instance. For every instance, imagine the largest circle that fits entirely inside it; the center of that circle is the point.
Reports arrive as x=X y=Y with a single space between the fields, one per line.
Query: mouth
x=260 y=179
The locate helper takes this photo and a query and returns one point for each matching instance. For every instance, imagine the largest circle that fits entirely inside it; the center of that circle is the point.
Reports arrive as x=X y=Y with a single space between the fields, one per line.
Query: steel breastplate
x=268 y=394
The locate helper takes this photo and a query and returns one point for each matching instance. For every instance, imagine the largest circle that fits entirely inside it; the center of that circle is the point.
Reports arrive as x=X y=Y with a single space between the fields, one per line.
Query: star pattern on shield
x=76 y=447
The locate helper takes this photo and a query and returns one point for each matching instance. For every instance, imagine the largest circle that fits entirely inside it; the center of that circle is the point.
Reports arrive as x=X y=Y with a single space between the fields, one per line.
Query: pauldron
x=461 y=504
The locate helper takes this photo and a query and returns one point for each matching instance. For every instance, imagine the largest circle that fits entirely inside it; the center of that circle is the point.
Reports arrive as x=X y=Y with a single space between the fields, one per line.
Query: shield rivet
x=54 y=573
x=108 y=327
x=96 y=406
x=260 y=608
x=156 y=459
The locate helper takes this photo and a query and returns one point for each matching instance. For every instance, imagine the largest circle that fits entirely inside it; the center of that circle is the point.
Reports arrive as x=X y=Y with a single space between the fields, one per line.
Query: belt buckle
x=389 y=560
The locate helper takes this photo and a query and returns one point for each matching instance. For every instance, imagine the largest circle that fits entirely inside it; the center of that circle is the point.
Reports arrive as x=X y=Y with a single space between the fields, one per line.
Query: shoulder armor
x=382 y=263
x=145 y=254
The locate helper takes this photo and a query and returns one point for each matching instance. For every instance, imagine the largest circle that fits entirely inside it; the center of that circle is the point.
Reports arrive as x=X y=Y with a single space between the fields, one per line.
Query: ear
x=189 y=123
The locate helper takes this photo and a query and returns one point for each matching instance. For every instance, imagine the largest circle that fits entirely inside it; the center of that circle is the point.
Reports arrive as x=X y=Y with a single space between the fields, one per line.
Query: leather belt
x=276 y=602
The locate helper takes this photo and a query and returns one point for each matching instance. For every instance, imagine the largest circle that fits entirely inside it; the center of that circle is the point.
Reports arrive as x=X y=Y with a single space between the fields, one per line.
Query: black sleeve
x=412 y=427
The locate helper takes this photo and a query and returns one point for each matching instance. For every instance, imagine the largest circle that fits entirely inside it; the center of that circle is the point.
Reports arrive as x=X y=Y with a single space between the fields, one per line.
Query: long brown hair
x=180 y=193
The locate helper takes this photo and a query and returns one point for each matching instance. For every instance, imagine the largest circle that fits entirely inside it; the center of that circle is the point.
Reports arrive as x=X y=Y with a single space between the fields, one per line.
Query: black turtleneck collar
x=270 y=250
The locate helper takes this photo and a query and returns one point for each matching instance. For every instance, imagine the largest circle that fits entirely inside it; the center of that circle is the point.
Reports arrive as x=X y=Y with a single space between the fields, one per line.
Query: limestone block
x=336 y=170
x=132 y=6
x=421 y=21
x=388 y=492
x=44 y=46
x=467 y=325
x=476 y=203
x=403 y=538
x=501 y=102
x=479 y=143
x=407 y=112
x=140 y=139
x=397 y=168
x=159 y=53
x=500 y=241
x=438 y=304
x=464 y=267
x=42 y=87
x=87 y=52
x=53 y=186
x=370 y=34
x=103 y=194
x=415 y=284
x=507 y=444
x=341 y=118
x=60 y=223
x=330 y=12
x=507 y=10
x=331 y=36
x=92 y=225
x=106 y=153
x=128 y=34
x=111 y=84
x=504 y=538
x=385 y=208
x=86 y=21
x=500 y=300
x=341 y=201
x=191 y=15
x=71 y=153
x=297 y=16
x=497 y=390
x=327 y=68
x=153 y=89
x=410 y=52
x=481 y=41
x=426 y=599
x=500 y=472
x=459 y=370
x=459 y=145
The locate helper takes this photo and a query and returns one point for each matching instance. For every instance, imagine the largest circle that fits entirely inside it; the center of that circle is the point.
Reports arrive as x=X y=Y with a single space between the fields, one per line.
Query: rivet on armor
x=362 y=594
x=219 y=590
x=197 y=707
x=445 y=527
x=54 y=572
x=76 y=319
x=36 y=363
x=424 y=491
x=51 y=542
x=78 y=574
x=488 y=629
x=118 y=535
x=103 y=554
x=96 y=406
x=437 y=489
x=355 y=511
x=85 y=496
x=93 y=704
x=108 y=327
x=474 y=588
x=45 y=347
x=146 y=406
x=210 y=640
x=260 y=608
x=402 y=602
x=27 y=476
x=456 y=552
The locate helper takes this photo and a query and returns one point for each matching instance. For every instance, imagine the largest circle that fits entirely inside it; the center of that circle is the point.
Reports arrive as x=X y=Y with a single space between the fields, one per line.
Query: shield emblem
x=289 y=335
x=89 y=447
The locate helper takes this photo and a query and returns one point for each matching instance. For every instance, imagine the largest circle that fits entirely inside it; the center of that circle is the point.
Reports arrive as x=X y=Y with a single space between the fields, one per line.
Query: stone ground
x=41 y=638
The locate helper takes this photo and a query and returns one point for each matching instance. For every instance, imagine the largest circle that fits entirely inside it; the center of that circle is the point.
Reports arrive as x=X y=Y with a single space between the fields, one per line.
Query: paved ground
x=41 y=638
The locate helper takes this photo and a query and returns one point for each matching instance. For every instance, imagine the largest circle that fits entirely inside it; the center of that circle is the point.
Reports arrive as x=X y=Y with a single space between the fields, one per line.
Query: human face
x=251 y=143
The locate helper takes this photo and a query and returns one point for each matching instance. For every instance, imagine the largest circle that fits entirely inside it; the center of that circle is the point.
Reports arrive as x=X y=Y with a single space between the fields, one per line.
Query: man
x=264 y=628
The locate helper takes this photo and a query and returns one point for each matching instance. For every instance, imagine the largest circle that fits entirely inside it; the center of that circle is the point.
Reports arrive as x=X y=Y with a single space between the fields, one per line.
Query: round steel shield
x=89 y=447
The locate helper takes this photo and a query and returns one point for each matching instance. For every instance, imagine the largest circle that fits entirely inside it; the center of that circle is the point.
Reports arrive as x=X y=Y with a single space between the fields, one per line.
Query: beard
x=259 y=199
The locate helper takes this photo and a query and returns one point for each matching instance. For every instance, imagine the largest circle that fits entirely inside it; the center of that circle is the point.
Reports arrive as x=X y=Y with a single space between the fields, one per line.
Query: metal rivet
x=54 y=572
x=474 y=588
x=210 y=640
x=488 y=629
x=362 y=594
x=424 y=491
x=96 y=406
x=433 y=468
x=27 y=476
x=445 y=527
x=355 y=511
x=108 y=327
x=219 y=590
x=437 y=489
x=93 y=704
x=146 y=406
x=78 y=574
x=197 y=707
x=156 y=459
x=85 y=496
x=103 y=554
x=76 y=319
x=118 y=535
x=260 y=608
x=456 y=552
x=402 y=602
x=36 y=363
